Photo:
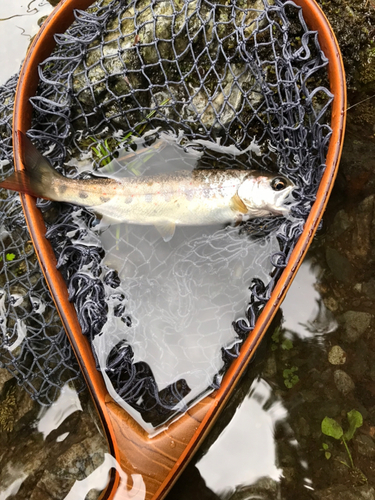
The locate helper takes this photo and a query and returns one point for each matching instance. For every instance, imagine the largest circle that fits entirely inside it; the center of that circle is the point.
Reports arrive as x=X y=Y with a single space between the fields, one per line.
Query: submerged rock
x=339 y=265
x=363 y=237
x=343 y=382
x=77 y=463
x=365 y=445
x=4 y=377
x=355 y=324
x=265 y=488
x=336 y=355
x=368 y=288
x=341 y=223
x=45 y=467
x=343 y=492
x=176 y=53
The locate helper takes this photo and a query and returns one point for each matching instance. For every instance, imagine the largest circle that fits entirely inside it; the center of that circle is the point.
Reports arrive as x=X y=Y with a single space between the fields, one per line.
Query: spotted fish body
x=181 y=198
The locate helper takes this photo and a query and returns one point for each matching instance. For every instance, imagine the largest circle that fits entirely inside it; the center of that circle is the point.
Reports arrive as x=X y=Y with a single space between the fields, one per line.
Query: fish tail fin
x=38 y=176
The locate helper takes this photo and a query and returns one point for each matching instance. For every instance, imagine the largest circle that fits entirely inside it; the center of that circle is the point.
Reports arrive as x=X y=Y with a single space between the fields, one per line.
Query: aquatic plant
x=325 y=448
x=332 y=428
x=277 y=341
x=8 y=257
x=104 y=151
x=290 y=377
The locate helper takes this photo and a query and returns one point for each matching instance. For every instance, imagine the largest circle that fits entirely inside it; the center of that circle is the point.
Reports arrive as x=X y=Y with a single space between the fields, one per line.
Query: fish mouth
x=284 y=201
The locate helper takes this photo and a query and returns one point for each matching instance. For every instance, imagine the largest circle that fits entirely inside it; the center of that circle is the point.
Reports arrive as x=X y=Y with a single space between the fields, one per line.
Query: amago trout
x=192 y=198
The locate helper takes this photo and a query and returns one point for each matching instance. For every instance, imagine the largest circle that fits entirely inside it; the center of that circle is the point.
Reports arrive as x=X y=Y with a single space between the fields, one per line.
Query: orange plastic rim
x=127 y=442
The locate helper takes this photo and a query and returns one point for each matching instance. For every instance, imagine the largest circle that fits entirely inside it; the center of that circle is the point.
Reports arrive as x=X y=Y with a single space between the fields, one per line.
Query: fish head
x=266 y=194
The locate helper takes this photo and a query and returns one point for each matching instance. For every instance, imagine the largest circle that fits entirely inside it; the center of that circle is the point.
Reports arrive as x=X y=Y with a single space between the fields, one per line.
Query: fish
x=198 y=197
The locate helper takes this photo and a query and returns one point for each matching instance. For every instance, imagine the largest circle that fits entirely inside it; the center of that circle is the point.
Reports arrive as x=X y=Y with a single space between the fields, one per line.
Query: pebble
x=355 y=324
x=336 y=355
x=270 y=367
x=343 y=382
x=331 y=304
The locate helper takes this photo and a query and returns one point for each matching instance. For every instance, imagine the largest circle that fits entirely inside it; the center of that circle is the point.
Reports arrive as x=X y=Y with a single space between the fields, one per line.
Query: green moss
x=8 y=409
x=353 y=24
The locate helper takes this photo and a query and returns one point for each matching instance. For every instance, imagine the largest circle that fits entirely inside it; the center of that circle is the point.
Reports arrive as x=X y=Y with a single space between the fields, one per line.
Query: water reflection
x=182 y=296
x=98 y=480
x=248 y=443
x=258 y=452
x=19 y=22
x=17 y=477
x=45 y=451
x=305 y=314
x=51 y=418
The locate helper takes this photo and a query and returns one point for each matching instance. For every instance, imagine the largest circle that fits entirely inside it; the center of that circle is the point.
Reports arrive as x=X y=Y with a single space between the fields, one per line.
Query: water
x=268 y=442
x=19 y=23
x=182 y=295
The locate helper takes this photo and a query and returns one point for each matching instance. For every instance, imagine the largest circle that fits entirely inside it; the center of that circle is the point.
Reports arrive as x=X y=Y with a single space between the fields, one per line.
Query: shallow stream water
x=317 y=361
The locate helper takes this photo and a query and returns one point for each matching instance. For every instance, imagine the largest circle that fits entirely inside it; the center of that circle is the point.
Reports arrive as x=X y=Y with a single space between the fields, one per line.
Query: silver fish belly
x=182 y=198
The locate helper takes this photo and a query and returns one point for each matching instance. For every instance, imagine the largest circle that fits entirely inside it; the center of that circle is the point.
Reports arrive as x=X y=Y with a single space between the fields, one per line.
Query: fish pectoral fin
x=166 y=230
x=237 y=205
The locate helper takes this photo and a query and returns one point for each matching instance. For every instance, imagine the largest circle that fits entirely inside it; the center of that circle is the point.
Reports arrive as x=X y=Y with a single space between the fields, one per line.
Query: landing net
x=247 y=76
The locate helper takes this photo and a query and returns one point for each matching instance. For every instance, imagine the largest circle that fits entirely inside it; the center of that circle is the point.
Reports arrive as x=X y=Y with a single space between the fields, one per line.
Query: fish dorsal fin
x=166 y=230
x=237 y=205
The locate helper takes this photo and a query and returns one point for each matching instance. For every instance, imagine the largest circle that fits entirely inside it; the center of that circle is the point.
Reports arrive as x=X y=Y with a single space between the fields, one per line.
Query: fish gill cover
x=250 y=78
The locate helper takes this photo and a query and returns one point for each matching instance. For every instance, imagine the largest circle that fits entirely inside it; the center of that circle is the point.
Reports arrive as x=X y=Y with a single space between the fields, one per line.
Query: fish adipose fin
x=38 y=176
x=166 y=230
x=237 y=205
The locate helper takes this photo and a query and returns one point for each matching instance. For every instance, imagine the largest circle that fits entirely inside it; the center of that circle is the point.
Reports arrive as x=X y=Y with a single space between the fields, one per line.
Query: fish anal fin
x=237 y=205
x=166 y=230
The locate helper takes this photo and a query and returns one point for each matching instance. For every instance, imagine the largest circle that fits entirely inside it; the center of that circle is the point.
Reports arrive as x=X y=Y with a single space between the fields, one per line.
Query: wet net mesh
x=33 y=344
x=234 y=73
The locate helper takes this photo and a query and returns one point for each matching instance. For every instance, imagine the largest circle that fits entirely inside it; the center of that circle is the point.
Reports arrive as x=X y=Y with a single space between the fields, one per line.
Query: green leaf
x=290 y=379
x=332 y=428
x=287 y=344
x=328 y=455
x=10 y=256
x=355 y=420
x=325 y=446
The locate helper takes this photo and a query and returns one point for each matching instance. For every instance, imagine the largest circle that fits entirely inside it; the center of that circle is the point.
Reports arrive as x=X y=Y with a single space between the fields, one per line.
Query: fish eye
x=278 y=183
